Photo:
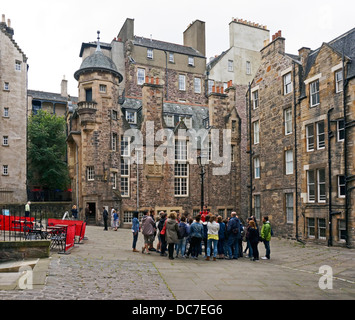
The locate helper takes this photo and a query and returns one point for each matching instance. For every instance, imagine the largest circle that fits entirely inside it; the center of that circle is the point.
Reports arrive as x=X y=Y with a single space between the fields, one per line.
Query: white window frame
x=114 y=141
x=169 y=120
x=256 y=131
x=197 y=85
x=181 y=172
x=338 y=81
x=312 y=227
x=322 y=228
x=288 y=121
x=320 y=143
x=191 y=61
x=102 y=88
x=289 y=162
x=171 y=57
x=289 y=205
x=230 y=65
x=248 y=67
x=150 y=53
x=210 y=85
x=341 y=185
x=6 y=86
x=90 y=173
x=314 y=93
x=255 y=95
x=311 y=184
x=309 y=137
x=257 y=170
x=187 y=121
x=6 y=112
x=322 y=198
x=125 y=167
x=114 y=180
x=140 y=76
x=17 y=65
x=131 y=117
x=341 y=229
x=340 y=129
x=288 y=87
x=182 y=82
x=5 y=141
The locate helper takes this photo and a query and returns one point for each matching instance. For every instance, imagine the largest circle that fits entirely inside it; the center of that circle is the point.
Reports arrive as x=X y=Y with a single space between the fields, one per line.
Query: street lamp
x=201 y=164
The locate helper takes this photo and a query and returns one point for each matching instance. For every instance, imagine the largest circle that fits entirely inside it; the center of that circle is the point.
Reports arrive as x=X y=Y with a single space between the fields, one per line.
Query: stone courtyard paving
x=105 y=268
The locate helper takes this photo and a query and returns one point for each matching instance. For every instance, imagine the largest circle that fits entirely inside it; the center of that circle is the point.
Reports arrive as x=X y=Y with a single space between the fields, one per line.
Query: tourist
x=74 y=212
x=204 y=213
x=204 y=225
x=135 y=230
x=148 y=229
x=105 y=218
x=233 y=230
x=183 y=234
x=248 y=247
x=162 y=231
x=196 y=234
x=116 y=220
x=172 y=230
x=212 y=237
x=253 y=237
x=265 y=235
x=27 y=209
x=221 y=237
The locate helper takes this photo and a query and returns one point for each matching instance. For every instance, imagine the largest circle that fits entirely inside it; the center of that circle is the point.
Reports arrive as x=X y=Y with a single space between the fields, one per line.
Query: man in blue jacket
x=233 y=230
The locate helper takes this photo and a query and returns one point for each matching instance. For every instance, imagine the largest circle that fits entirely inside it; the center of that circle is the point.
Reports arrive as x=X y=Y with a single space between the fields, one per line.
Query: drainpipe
x=330 y=135
x=248 y=103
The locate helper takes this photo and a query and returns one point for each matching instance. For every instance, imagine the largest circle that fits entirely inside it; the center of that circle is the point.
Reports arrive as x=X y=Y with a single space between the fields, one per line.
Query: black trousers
x=254 y=246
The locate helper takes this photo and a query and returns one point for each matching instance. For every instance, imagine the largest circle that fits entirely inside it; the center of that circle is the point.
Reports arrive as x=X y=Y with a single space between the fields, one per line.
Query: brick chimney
x=195 y=36
x=64 y=88
x=304 y=54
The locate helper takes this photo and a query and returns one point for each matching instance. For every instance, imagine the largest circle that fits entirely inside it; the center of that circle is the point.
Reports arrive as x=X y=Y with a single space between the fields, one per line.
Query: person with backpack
x=212 y=237
x=233 y=230
x=182 y=236
x=265 y=235
x=172 y=230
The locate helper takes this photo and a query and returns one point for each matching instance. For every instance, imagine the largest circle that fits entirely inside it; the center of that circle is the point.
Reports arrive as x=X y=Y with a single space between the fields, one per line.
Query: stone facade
x=13 y=95
x=301 y=141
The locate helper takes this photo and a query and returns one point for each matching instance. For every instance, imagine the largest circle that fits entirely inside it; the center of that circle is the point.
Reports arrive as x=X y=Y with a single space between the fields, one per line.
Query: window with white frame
x=6 y=113
x=114 y=141
x=197 y=85
x=256 y=129
x=125 y=167
x=5 y=141
x=140 y=76
x=287 y=83
x=340 y=130
x=256 y=99
x=150 y=53
x=187 y=120
x=289 y=207
x=90 y=173
x=321 y=185
x=18 y=65
x=342 y=230
x=169 y=120
x=257 y=207
x=210 y=85
x=314 y=93
x=171 y=57
x=311 y=188
x=339 y=81
x=131 y=117
x=114 y=180
x=320 y=135
x=311 y=228
x=288 y=121
x=103 y=88
x=191 y=61
x=257 y=168
x=248 y=67
x=230 y=65
x=181 y=169
x=6 y=86
x=341 y=187
x=182 y=82
x=310 y=137
x=321 y=229
x=289 y=162
x=5 y=170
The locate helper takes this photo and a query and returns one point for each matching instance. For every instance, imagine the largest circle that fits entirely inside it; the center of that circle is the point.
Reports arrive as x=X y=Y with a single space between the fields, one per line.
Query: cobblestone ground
x=105 y=268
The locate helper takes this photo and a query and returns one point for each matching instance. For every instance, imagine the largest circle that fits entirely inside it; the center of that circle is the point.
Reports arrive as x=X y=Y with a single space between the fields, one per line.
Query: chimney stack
x=64 y=88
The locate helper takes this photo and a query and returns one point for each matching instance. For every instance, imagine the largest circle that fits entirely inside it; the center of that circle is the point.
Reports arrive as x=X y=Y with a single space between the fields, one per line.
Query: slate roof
x=342 y=44
x=170 y=47
x=49 y=96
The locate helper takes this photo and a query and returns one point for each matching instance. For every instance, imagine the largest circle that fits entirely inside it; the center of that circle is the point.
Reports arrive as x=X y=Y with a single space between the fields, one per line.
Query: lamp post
x=202 y=174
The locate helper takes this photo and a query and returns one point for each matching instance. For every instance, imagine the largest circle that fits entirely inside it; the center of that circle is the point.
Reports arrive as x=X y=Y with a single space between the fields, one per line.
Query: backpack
x=182 y=231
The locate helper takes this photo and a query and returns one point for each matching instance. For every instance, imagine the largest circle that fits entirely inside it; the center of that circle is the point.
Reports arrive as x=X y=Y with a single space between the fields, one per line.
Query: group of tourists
x=208 y=234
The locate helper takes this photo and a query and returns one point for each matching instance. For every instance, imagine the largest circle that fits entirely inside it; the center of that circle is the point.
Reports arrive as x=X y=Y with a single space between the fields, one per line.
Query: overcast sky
x=51 y=32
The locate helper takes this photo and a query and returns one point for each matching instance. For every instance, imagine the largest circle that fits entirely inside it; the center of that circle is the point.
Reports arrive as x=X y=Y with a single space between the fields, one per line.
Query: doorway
x=92 y=216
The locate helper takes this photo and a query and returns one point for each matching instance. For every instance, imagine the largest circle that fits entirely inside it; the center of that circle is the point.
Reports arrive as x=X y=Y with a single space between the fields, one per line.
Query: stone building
x=301 y=133
x=13 y=102
x=160 y=90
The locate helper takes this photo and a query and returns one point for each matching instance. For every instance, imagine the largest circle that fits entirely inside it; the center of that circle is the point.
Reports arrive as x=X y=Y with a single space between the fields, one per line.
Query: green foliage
x=46 y=151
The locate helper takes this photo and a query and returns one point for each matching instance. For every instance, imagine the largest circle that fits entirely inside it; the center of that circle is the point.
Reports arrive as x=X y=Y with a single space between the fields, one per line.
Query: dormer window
x=131 y=117
x=191 y=61
x=150 y=53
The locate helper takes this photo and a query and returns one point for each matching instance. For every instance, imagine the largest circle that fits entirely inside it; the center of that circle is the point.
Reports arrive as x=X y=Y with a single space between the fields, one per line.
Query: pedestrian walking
x=148 y=229
x=212 y=237
x=196 y=234
x=135 y=231
x=265 y=235
x=172 y=230
x=253 y=237
x=233 y=230
x=116 y=220
x=105 y=218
